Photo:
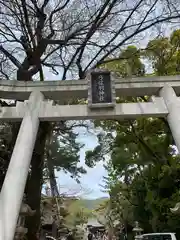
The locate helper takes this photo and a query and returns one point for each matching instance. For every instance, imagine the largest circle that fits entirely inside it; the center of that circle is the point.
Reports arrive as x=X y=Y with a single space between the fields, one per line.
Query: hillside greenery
x=82 y=210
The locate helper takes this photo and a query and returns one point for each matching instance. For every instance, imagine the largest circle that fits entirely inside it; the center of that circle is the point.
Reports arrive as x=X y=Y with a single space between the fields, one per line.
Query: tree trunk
x=110 y=234
x=51 y=173
x=35 y=180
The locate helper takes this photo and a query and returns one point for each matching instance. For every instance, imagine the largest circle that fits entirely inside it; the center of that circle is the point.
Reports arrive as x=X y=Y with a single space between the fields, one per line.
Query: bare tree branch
x=74 y=35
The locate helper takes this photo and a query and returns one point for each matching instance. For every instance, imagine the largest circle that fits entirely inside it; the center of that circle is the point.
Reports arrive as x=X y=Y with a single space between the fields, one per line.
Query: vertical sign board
x=101 y=90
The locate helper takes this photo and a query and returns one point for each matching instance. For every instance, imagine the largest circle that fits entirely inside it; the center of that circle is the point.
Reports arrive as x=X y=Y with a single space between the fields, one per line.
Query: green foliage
x=77 y=217
x=164 y=53
x=65 y=152
x=99 y=152
x=81 y=210
x=5 y=149
x=62 y=153
x=144 y=170
x=127 y=64
x=154 y=192
x=143 y=174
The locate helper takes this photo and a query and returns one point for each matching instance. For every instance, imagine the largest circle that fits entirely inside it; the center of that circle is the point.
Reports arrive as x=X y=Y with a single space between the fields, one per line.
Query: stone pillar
x=173 y=105
x=13 y=187
x=138 y=231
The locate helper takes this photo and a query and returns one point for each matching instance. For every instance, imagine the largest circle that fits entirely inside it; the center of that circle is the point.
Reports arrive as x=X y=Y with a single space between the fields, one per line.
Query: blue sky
x=90 y=182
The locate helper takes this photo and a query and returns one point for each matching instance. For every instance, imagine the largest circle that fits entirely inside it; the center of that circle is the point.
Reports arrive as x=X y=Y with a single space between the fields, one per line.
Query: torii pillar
x=173 y=105
x=16 y=176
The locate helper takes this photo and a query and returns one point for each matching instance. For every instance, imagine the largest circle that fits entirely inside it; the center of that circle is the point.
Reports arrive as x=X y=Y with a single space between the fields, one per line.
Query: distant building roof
x=94 y=222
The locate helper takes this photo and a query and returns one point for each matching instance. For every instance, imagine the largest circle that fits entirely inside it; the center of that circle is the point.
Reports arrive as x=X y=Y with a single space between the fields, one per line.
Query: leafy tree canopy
x=143 y=170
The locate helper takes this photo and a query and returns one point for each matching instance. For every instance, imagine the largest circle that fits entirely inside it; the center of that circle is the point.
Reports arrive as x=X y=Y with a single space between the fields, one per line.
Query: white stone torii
x=165 y=104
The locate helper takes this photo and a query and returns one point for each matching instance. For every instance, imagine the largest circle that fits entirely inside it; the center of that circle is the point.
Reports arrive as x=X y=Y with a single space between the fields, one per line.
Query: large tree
x=67 y=38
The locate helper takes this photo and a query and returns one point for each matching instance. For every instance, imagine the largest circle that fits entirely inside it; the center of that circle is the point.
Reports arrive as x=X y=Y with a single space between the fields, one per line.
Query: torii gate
x=101 y=89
